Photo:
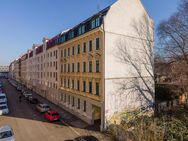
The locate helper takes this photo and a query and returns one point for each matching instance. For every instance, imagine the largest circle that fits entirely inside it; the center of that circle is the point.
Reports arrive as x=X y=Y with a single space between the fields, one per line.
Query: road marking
x=71 y=128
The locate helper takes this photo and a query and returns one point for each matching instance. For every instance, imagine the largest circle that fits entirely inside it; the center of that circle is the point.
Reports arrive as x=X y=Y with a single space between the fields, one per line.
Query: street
x=29 y=125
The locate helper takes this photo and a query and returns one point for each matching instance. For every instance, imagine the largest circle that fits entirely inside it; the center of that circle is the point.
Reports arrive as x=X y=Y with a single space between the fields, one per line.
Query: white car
x=3 y=97
x=3 y=103
x=4 y=109
x=42 y=108
x=6 y=133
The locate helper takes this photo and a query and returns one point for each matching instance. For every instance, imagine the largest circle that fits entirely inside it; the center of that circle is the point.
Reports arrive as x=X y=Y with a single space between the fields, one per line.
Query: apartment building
x=89 y=69
x=15 y=70
x=51 y=69
x=42 y=69
x=23 y=63
x=78 y=69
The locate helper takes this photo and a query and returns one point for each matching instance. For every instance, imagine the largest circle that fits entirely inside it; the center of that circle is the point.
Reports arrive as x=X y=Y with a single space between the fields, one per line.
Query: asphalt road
x=28 y=124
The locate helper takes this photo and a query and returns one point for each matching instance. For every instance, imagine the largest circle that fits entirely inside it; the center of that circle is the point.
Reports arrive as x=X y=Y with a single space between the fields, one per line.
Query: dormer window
x=95 y=23
x=71 y=35
x=81 y=29
x=62 y=39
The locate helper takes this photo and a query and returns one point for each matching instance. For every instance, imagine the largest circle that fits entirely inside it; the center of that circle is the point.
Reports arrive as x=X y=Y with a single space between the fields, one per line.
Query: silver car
x=3 y=97
x=6 y=133
x=42 y=108
x=4 y=109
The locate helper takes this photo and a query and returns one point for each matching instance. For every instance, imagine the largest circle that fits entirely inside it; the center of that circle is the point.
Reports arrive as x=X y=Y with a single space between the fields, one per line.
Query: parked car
x=52 y=115
x=18 y=88
x=4 y=109
x=86 y=138
x=3 y=103
x=24 y=90
x=6 y=133
x=3 y=97
x=26 y=95
x=33 y=100
x=42 y=108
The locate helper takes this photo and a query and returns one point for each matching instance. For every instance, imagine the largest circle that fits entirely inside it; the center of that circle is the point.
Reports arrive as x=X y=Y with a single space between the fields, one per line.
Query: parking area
x=29 y=124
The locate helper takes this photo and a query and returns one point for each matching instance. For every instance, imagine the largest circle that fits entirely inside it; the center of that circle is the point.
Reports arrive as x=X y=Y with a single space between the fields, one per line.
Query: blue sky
x=24 y=22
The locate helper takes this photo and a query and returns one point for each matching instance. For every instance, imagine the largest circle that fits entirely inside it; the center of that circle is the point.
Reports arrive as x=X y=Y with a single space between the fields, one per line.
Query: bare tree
x=173 y=39
x=141 y=61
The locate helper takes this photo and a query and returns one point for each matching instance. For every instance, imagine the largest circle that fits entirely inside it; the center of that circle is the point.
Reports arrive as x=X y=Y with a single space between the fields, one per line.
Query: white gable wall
x=118 y=26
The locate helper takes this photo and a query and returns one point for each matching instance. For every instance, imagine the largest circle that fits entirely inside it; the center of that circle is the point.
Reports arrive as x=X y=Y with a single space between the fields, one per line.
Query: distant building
x=4 y=68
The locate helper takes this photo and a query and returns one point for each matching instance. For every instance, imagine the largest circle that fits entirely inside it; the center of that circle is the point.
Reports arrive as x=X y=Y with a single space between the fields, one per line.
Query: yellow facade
x=90 y=87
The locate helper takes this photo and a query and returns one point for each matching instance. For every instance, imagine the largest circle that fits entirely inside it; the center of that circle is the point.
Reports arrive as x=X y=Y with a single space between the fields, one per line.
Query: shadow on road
x=26 y=110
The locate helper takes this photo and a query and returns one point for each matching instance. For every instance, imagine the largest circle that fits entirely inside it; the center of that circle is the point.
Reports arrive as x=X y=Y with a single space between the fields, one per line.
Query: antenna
x=98 y=7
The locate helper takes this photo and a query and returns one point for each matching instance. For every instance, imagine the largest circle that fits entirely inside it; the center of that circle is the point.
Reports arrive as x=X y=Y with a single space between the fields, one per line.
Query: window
x=64 y=52
x=68 y=67
x=73 y=50
x=73 y=101
x=64 y=67
x=61 y=82
x=97 y=22
x=78 y=103
x=65 y=83
x=72 y=67
x=68 y=83
x=97 y=89
x=84 y=67
x=97 y=66
x=90 y=45
x=84 y=106
x=56 y=54
x=84 y=47
x=84 y=86
x=92 y=24
x=90 y=66
x=69 y=99
x=65 y=97
x=56 y=65
x=78 y=85
x=62 y=39
x=80 y=30
x=71 y=35
x=78 y=49
x=68 y=52
x=72 y=84
x=97 y=43
x=83 y=28
x=78 y=67
x=90 y=87
x=56 y=76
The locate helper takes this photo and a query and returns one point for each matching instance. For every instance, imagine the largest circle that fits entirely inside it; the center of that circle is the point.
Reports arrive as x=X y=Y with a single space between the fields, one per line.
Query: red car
x=52 y=115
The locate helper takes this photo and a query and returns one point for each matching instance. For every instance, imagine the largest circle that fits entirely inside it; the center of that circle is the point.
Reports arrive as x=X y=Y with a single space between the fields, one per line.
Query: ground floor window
x=78 y=103
x=84 y=106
